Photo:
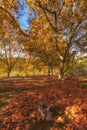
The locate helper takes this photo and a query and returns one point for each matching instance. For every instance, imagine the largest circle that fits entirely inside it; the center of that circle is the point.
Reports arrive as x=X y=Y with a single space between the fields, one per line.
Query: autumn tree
x=10 y=49
x=9 y=11
x=67 y=18
x=9 y=19
x=41 y=43
x=11 y=52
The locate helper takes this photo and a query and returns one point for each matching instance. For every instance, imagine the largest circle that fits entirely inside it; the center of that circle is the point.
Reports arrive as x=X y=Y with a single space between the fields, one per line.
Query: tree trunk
x=61 y=73
x=44 y=71
x=49 y=71
x=33 y=71
x=8 y=74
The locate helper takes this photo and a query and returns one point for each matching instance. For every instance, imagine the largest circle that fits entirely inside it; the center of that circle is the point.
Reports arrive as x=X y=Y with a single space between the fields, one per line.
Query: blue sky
x=23 y=16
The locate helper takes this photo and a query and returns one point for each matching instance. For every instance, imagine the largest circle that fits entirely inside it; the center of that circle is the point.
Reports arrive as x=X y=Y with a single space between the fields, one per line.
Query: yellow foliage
x=60 y=119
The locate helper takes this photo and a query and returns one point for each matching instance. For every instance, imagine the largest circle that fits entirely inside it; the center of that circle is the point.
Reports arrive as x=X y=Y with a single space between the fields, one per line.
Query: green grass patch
x=85 y=85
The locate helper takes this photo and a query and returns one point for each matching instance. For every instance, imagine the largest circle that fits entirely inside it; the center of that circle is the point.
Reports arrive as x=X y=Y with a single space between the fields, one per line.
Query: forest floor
x=19 y=100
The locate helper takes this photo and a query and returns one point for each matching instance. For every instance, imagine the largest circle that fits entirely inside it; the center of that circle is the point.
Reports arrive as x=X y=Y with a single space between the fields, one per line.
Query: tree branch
x=12 y=17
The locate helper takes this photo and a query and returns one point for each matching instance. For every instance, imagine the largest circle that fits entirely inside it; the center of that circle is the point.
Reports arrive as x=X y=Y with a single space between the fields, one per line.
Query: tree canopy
x=57 y=33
